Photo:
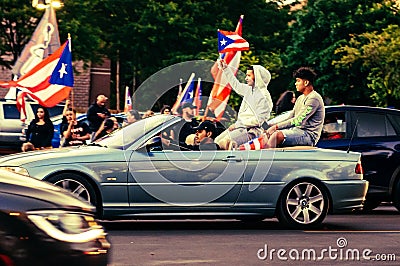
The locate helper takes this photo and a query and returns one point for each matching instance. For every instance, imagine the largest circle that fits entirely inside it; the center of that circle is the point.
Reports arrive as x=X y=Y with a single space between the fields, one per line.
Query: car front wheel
x=303 y=205
x=77 y=185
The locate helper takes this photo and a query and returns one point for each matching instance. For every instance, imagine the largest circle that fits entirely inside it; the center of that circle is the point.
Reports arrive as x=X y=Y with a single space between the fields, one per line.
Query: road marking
x=355 y=231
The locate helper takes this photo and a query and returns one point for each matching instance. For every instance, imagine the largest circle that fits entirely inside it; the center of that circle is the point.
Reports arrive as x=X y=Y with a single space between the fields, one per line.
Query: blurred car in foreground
x=41 y=224
x=375 y=133
x=130 y=174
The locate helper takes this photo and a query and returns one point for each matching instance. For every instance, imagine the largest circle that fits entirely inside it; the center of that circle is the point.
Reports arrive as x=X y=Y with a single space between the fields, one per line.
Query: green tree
x=81 y=20
x=18 y=21
x=379 y=56
x=323 y=26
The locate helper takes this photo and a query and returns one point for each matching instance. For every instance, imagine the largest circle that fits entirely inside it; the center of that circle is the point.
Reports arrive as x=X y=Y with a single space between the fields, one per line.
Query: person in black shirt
x=40 y=131
x=75 y=133
x=185 y=127
x=204 y=139
x=106 y=128
x=97 y=112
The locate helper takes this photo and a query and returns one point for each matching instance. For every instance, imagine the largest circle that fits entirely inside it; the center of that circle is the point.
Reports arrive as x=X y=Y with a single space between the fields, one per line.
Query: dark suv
x=374 y=132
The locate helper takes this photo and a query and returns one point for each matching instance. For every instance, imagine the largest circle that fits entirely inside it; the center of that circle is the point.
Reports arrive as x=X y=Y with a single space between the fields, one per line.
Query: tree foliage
x=18 y=21
x=145 y=36
x=379 y=55
x=323 y=26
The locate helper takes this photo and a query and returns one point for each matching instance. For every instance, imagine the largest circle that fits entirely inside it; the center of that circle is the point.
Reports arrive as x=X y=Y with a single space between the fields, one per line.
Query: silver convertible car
x=131 y=175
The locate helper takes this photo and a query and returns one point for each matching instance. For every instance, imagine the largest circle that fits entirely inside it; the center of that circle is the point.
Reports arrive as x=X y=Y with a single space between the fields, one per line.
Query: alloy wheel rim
x=305 y=203
x=75 y=188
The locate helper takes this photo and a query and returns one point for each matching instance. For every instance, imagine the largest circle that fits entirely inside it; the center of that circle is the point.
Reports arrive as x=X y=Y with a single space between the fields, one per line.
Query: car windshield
x=127 y=135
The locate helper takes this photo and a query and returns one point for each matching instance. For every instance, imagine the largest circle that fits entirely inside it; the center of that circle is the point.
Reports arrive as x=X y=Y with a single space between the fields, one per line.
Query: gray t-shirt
x=308 y=114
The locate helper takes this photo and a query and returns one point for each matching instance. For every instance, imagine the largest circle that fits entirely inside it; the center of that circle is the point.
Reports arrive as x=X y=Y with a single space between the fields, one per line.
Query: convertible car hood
x=40 y=194
x=73 y=154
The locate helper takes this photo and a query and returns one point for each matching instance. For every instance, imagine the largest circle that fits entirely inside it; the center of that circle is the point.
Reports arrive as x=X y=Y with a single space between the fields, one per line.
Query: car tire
x=303 y=204
x=78 y=186
x=396 y=196
x=370 y=204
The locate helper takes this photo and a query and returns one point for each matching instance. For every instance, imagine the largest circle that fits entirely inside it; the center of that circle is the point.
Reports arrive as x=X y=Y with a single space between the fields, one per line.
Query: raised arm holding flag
x=221 y=90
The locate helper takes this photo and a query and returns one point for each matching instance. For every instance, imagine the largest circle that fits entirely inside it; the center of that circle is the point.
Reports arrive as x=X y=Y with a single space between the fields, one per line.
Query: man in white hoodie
x=255 y=108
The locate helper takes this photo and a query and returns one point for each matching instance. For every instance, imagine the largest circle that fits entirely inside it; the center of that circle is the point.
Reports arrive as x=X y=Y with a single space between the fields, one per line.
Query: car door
x=184 y=178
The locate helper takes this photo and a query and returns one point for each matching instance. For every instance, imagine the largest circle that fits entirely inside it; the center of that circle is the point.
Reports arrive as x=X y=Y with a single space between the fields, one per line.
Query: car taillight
x=359 y=169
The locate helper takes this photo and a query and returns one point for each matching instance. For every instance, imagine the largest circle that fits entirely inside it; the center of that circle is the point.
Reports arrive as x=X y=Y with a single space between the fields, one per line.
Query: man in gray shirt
x=304 y=124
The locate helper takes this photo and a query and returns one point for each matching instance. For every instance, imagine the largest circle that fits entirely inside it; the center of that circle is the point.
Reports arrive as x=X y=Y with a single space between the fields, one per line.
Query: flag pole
x=117 y=81
x=72 y=88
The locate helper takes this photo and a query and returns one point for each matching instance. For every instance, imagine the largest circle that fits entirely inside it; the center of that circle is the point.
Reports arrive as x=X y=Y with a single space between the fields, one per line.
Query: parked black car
x=41 y=224
x=375 y=132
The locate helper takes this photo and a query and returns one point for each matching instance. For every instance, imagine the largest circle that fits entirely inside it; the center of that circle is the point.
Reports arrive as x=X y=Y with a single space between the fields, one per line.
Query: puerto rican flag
x=186 y=95
x=128 y=100
x=49 y=82
x=254 y=144
x=231 y=41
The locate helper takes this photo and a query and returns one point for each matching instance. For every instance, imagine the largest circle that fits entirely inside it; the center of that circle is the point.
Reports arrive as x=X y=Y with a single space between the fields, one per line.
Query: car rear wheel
x=77 y=185
x=396 y=196
x=370 y=204
x=303 y=205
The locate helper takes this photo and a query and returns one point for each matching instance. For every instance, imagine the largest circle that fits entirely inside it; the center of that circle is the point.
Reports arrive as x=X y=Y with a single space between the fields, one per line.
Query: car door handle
x=232 y=158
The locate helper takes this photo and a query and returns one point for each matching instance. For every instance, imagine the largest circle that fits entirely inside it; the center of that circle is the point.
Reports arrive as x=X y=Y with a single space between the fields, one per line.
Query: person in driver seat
x=204 y=137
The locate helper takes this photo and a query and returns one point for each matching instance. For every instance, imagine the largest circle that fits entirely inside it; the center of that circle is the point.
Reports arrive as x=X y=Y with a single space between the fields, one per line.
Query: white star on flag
x=62 y=70
x=223 y=42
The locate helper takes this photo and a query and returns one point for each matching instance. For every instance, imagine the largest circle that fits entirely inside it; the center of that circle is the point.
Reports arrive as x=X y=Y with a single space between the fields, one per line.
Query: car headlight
x=16 y=169
x=67 y=226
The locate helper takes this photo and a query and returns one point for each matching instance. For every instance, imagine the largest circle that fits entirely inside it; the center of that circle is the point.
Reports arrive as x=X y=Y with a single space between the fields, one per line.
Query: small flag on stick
x=128 y=100
x=231 y=41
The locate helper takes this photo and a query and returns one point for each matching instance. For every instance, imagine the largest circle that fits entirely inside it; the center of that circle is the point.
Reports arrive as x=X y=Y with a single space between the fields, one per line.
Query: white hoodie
x=257 y=104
